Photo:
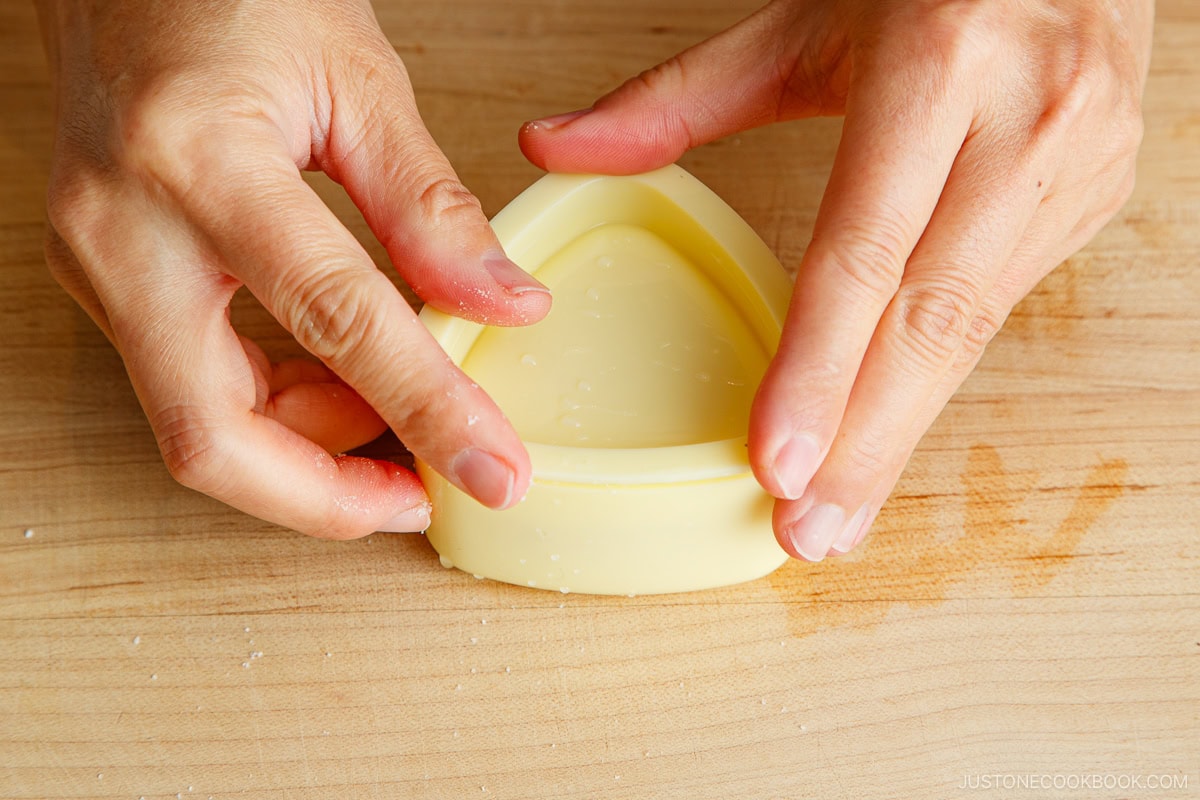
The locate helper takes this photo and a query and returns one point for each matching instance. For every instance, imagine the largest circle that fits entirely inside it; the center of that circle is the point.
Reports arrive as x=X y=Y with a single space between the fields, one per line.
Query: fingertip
x=811 y=530
x=411 y=520
x=783 y=453
x=535 y=138
x=854 y=532
x=528 y=299
x=498 y=293
x=786 y=468
x=557 y=121
x=374 y=495
x=490 y=478
x=615 y=138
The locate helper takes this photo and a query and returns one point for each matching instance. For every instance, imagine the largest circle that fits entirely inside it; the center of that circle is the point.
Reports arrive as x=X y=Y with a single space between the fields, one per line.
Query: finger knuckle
x=445 y=198
x=60 y=258
x=150 y=131
x=1127 y=138
x=964 y=33
x=948 y=42
x=867 y=259
x=1076 y=101
x=64 y=267
x=985 y=324
x=73 y=222
x=934 y=321
x=72 y=202
x=191 y=448
x=419 y=404
x=1083 y=85
x=331 y=313
x=167 y=137
x=673 y=130
x=866 y=454
x=665 y=78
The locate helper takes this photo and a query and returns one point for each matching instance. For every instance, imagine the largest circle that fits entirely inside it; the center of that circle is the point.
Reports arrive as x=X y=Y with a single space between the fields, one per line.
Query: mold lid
x=673 y=208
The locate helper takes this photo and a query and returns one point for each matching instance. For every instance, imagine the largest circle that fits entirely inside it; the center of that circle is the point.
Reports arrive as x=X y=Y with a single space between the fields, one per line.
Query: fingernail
x=512 y=278
x=813 y=534
x=852 y=533
x=414 y=520
x=558 y=120
x=795 y=464
x=485 y=477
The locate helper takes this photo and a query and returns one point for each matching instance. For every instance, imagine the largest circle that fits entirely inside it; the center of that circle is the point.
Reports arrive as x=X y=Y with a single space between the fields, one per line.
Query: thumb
x=744 y=77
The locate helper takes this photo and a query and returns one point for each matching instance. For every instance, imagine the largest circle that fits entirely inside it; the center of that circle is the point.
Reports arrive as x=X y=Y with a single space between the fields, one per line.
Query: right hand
x=182 y=128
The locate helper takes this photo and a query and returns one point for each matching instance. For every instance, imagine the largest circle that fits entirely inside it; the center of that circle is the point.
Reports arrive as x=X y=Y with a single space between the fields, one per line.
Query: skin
x=182 y=129
x=984 y=142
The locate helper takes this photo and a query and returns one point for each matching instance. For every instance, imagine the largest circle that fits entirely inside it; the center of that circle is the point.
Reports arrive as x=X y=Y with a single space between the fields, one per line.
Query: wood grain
x=1028 y=604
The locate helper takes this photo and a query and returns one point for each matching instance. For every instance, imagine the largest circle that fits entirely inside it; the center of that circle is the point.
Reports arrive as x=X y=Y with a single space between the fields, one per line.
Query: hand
x=983 y=143
x=182 y=128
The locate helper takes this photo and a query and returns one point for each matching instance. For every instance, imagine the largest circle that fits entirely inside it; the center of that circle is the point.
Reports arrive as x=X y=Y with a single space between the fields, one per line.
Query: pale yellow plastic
x=632 y=396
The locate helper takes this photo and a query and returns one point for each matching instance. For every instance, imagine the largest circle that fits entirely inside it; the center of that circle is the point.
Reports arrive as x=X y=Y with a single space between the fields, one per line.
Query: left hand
x=983 y=143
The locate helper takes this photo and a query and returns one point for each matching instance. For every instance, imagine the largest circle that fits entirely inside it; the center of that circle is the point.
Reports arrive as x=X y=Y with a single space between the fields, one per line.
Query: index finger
x=901 y=136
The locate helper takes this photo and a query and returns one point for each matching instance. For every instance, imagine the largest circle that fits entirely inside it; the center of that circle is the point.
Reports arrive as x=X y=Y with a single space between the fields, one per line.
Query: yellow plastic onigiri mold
x=632 y=396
